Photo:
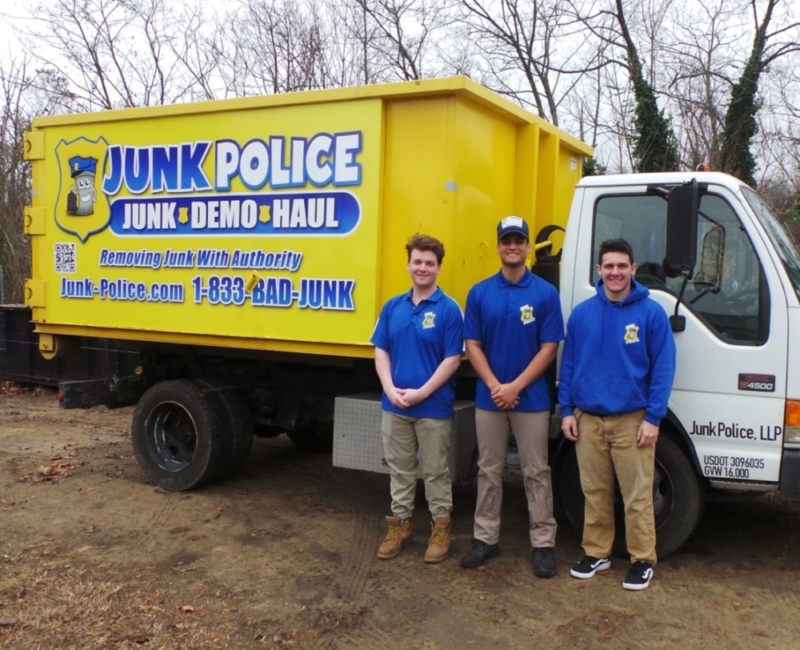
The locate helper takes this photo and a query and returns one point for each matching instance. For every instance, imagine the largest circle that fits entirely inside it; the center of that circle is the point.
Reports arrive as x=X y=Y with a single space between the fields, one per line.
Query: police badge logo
x=631 y=333
x=81 y=207
x=526 y=314
x=427 y=322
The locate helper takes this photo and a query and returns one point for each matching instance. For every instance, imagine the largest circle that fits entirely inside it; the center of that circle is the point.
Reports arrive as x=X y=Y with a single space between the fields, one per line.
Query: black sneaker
x=544 y=562
x=639 y=576
x=478 y=553
x=588 y=566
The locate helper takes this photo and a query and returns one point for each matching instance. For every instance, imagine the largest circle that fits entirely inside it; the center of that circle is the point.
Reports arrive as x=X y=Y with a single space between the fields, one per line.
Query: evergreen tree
x=592 y=167
x=740 y=120
x=655 y=147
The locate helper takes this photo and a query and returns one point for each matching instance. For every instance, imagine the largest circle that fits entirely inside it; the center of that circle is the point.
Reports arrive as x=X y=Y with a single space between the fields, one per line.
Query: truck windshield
x=727 y=290
x=782 y=240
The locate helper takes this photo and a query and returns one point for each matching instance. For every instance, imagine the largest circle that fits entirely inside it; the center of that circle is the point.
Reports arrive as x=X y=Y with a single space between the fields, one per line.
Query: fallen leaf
x=155 y=599
x=186 y=609
x=56 y=468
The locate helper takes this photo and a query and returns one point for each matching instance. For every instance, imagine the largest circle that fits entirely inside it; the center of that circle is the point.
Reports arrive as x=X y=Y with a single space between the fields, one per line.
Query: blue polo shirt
x=418 y=338
x=512 y=320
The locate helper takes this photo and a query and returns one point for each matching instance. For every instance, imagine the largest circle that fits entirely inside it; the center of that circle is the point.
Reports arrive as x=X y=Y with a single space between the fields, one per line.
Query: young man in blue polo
x=512 y=327
x=418 y=346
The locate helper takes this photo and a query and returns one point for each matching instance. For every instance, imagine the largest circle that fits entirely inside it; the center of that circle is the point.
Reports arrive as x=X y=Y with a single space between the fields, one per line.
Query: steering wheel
x=733 y=303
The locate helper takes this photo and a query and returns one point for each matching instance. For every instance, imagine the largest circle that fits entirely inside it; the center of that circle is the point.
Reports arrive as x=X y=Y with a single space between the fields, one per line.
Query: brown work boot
x=397 y=537
x=439 y=543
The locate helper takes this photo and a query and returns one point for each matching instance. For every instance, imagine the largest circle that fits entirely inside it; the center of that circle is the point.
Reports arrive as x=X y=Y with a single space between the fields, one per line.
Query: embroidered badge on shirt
x=526 y=314
x=631 y=333
x=427 y=322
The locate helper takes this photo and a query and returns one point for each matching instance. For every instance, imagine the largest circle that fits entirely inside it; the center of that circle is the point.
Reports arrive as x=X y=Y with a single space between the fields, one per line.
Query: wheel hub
x=172 y=437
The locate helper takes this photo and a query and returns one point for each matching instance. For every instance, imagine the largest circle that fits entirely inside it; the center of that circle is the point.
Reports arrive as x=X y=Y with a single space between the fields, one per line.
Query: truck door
x=730 y=385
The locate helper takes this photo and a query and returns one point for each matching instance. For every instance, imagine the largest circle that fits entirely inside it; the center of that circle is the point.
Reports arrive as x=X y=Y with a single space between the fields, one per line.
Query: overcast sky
x=11 y=15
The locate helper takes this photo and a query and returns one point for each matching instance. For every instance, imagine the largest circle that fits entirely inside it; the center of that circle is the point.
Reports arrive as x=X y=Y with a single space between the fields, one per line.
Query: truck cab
x=733 y=297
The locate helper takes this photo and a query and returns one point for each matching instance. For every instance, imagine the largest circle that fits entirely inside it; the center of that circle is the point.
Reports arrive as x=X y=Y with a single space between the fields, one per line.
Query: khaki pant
x=531 y=431
x=607 y=446
x=418 y=443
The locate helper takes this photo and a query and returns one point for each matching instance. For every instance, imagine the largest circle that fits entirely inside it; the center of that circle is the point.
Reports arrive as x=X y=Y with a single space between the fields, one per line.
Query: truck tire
x=678 y=498
x=239 y=425
x=179 y=435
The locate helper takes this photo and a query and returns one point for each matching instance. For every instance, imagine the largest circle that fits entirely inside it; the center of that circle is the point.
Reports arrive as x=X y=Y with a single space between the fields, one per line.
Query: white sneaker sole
x=603 y=566
x=637 y=586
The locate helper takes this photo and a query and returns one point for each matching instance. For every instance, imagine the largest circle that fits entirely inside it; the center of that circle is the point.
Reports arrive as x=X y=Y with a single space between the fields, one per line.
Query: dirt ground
x=91 y=556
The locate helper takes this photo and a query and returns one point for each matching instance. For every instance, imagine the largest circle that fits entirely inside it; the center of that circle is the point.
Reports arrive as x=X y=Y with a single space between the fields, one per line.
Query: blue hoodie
x=618 y=357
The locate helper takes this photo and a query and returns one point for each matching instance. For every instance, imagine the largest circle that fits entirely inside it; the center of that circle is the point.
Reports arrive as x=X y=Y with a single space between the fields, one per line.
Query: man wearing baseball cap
x=512 y=327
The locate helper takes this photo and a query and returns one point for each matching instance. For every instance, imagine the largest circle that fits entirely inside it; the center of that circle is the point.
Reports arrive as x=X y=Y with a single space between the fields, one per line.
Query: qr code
x=65 y=258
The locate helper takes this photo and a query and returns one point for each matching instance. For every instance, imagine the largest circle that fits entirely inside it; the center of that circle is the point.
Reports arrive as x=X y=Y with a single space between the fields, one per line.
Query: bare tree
x=120 y=53
x=406 y=31
x=23 y=93
x=531 y=51
x=277 y=46
x=769 y=44
x=198 y=48
x=354 y=53
x=654 y=145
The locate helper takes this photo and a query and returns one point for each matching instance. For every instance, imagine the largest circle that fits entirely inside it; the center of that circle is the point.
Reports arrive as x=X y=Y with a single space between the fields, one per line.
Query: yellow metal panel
x=415 y=197
x=485 y=161
x=35 y=293
x=34 y=145
x=446 y=157
x=444 y=87
x=546 y=181
x=34 y=221
x=449 y=174
x=317 y=350
x=527 y=172
x=48 y=346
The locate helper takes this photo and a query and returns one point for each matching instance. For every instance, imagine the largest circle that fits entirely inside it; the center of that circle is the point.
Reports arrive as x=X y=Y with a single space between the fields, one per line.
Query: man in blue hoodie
x=616 y=376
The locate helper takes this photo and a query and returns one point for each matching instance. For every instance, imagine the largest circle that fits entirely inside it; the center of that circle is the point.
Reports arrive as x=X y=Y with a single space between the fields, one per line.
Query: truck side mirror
x=682 y=207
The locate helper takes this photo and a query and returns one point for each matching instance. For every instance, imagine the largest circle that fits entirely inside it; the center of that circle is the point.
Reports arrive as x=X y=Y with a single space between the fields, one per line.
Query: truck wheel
x=178 y=435
x=678 y=498
x=239 y=425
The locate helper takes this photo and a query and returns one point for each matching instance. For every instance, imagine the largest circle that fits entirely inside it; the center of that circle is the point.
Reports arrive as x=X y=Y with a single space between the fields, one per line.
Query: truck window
x=781 y=238
x=727 y=291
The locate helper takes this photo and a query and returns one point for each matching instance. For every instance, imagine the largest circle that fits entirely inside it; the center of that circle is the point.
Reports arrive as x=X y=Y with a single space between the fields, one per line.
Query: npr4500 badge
x=166 y=189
